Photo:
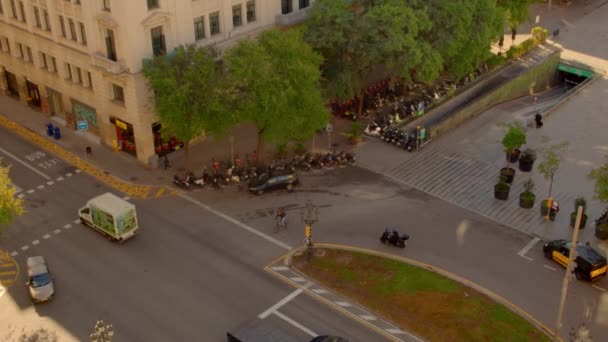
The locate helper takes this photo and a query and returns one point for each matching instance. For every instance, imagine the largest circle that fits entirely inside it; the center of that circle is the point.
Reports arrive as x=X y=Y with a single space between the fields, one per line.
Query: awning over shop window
x=574 y=70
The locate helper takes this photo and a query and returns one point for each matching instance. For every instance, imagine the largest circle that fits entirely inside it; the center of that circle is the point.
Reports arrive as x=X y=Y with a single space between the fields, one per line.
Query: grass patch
x=432 y=306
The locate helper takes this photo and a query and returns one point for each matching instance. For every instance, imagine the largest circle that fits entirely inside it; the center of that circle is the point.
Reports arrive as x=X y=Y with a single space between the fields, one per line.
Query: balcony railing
x=101 y=61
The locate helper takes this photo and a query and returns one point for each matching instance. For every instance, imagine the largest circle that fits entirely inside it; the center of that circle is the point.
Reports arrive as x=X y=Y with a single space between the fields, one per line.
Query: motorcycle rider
x=281 y=218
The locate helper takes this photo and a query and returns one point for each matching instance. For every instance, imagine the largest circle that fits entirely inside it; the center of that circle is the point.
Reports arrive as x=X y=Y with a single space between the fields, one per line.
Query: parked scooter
x=193 y=180
x=392 y=237
x=182 y=183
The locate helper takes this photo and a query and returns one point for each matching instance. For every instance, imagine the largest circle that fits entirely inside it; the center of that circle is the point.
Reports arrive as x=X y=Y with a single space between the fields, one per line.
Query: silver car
x=39 y=280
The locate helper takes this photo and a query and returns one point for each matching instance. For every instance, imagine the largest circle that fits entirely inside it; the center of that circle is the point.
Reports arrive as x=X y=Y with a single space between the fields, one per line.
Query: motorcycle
x=191 y=179
x=182 y=183
x=392 y=237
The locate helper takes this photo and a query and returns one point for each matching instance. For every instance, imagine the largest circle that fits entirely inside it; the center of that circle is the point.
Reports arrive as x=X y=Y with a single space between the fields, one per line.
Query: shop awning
x=574 y=70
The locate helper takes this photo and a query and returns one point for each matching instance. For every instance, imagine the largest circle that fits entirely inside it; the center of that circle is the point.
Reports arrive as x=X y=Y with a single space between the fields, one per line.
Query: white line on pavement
x=77 y=221
x=50 y=182
x=25 y=248
x=395 y=331
x=69 y=174
x=57 y=231
x=295 y=324
x=368 y=317
x=600 y=288
x=41 y=186
x=59 y=179
x=279 y=268
x=284 y=301
x=78 y=171
x=35 y=242
x=237 y=222
x=527 y=248
x=25 y=164
x=31 y=191
x=298 y=279
x=20 y=195
x=46 y=236
x=14 y=253
x=549 y=267
x=343 y=304
x=320 y=291
x=67 y=226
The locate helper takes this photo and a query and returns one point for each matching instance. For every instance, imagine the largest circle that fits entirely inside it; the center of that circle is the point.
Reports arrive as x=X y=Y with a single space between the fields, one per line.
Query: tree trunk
x=260 y=152
x=361 y=100
x=551 y=186
x=186 y=157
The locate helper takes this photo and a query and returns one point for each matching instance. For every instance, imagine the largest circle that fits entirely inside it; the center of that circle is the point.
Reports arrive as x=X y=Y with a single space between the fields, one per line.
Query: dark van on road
x=267 y=181
x=590 y=263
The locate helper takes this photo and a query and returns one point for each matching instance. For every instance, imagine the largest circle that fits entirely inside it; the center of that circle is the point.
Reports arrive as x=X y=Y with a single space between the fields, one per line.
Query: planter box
x=526 y=165
x=573 y=220
x=501 y=195
x=526 y=203
x=508 y=174
x=513 y=157
x=601 y=234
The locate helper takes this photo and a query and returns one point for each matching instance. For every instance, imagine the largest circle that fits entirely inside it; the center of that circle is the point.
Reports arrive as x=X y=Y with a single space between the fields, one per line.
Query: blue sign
x=82 y=125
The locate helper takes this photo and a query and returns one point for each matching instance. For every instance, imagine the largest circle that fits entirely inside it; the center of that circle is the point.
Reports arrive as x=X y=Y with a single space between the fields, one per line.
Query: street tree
x=552 y=154
x=10 y=207
x=188 y=93
x=515 y=11
x=275 y=82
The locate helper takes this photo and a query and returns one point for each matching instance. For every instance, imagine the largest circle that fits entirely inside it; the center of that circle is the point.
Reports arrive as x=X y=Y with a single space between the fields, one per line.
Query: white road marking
x=279 y=268
x=343 y=304
x=25 y=248
x=296 y=324
x=46 y=236
x=35 y=242
x=78 y=171
x=59 y=179
x=20 y=195
x=17 y=189
x=237 y=222
x=395 y=331
x=298 y=279
x=600 y=288
x=14 y=253
x=57 y=231
x=67 y=226
x=69 y=174
x=31 y=191
x=41 y=186
x=283 y=301
x=2 y=290
x=320 y=291
x=368 y=317
x=50 y=182
x=549 y=267
x=77 y=221
x=126 y=198
x=527 y=248
x=25 y=164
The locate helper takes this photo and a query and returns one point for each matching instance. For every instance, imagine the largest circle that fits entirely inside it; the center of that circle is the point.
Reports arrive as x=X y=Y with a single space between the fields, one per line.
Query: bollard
x=49 y=129
x=57 y=133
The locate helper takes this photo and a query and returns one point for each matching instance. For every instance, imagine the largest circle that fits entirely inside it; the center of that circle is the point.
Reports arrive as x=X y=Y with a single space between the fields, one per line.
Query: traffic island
x=430 y=305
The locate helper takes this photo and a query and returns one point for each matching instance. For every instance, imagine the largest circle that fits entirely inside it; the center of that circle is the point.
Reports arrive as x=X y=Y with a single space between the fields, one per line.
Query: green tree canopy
x=516 y=11
x=276 y=81
x=189 y=94
x=600 y=176
x=9 y=205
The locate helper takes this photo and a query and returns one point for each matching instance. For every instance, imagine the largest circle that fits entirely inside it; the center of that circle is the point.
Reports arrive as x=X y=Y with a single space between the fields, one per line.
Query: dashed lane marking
x=600 y=288
x=20 y=195
x=50 y=182
x=368 y=317
x=295 y=324
x=67 y=226
x=46 y=236
x=77 y=221
x=69 y=174
x=35 y=242
x=25 y=248
x=40 y=173
x=78 y=170
x=343 y=304
x=40 y=186
x=57 y=231
x=549 y=267
x=31 y=191
x=59 y=179
x=320 y=291
x=14 y=253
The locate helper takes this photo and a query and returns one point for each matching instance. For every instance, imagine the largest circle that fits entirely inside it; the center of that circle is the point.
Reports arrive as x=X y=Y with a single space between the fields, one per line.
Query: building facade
x=80 y=61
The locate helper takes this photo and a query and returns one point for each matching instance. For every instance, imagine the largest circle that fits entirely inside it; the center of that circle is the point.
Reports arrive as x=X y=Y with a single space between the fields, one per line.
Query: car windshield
x=569 y=244
x=40 y=280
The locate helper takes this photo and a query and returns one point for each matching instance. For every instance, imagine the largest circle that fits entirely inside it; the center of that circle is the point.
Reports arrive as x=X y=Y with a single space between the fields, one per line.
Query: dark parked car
x=266 y=182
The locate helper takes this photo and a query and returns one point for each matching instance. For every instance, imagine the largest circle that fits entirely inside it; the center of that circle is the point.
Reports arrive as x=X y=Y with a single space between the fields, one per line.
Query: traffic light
x=308 y=231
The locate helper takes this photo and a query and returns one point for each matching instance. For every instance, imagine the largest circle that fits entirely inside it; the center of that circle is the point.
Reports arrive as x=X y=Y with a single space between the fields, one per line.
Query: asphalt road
x=188 y=275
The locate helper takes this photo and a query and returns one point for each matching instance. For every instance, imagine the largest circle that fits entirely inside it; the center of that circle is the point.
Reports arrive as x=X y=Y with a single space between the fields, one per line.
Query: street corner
x=161 y=191
x=9 y=271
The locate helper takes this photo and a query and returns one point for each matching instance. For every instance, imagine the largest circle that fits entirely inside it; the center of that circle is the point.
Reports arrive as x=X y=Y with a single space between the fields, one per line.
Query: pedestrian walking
x=166 y=163
x=539 y=120
x=281 y=220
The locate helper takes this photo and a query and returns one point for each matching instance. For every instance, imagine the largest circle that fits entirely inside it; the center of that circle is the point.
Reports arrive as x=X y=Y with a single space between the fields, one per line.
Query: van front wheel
x=579 y=275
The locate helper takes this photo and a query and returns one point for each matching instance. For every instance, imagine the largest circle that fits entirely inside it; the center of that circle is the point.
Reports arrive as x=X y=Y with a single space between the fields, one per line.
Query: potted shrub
x=354 y=132
x=526 y=161
x=600 y=176
x=501 y=189
x=579 y=201
x=552 y=155
x=514 y=138
x=527 y=198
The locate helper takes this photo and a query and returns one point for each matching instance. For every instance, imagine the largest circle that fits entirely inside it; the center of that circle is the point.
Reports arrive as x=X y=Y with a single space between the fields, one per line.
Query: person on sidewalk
x=539 y=120
x=166 y=163
x=281 y=219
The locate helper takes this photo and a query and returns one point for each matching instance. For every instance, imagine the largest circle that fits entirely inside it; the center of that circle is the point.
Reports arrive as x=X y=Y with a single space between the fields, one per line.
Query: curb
x=497 y=298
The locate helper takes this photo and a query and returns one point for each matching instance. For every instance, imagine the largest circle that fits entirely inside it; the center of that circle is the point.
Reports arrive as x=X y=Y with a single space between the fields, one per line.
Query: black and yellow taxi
x=590 y=263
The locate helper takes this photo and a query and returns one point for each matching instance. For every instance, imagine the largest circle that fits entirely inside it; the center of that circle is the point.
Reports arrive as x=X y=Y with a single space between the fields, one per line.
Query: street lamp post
x=103 y=332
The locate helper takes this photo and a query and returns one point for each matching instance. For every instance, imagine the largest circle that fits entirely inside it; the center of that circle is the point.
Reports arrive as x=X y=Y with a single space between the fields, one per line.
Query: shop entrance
x=55 y=107
x=124 y=136
x=162 y=146
x=11 y=82
x=33 y=94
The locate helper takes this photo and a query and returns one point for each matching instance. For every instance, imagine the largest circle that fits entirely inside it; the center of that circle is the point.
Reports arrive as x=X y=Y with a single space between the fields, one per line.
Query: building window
x=20 y=46
x=90 y=84
x=72 y=30
x=286 y=6
x=62 y=24
x=78 y=75
x=43 y=60
x=119 y=94
x=37 y=17
x=110 y=45
x=250 y=11
x=47 y=22
x=30 y=57
x=106 y=5
x=1 y=8
x=68 y=69
x=199 y=28
x=77 y=2
x=304 y=3
x=158 y=41
x=54 y=64
x=22 y=10
x=13 y=9
x=152 y=4
x=214 y=22
x=83 y=35
x=237 y=18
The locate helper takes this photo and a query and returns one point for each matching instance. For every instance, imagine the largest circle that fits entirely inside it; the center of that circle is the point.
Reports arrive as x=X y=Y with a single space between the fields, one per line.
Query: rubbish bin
x=49 y=129
x=57 y=133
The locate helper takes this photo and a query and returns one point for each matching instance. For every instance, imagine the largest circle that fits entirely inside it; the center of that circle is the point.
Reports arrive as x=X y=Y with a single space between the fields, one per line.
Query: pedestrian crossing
x=469 y=183
x=8 y=270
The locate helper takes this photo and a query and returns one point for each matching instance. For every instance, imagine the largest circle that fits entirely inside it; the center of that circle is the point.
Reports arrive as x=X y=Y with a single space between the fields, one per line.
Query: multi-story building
x=80 y=61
